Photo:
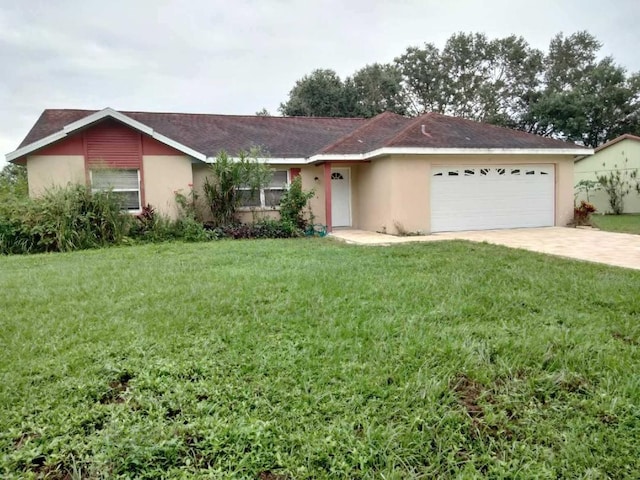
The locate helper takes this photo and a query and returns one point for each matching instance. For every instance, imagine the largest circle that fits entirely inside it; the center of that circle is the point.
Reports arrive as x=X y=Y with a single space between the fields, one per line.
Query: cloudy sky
x=238 y=56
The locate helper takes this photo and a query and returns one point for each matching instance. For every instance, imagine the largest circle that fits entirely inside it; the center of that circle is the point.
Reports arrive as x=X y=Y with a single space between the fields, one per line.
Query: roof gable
x=371 y=135
x=626 y=136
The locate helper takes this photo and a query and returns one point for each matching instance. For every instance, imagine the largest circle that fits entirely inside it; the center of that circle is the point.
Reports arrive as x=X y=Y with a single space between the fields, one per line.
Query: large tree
x=583 y=99
x=372 y=90
x=423 y=79
x=13 y=182
x=473 y=77
x=565 y=93
x=377 y=88
x=320 y=94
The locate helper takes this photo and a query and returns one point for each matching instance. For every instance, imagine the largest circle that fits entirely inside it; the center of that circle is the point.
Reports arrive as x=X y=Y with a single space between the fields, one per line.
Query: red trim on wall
x=141 y=150
x=294 y=172
x=150 y=146
x=73 y=145
x=87 y=176
x=327 y=195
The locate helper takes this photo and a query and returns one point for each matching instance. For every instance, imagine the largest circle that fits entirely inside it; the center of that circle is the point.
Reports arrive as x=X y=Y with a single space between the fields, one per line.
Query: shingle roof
x=302 y=137
x=369 y=136
x=433 y=130
x=281 y=137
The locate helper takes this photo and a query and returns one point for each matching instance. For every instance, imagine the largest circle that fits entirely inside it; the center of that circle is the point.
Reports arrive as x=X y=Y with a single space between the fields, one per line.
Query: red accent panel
x=113 y=145
x=150 y=146
x=294 y=172
x=68 y=146
x=327 y=195
x=140 y=150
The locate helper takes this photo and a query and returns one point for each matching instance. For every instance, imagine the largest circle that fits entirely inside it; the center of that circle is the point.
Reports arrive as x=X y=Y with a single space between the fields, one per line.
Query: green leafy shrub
x=618 y=184
x=227 y=176
x=294 y=202
x=191 y=230
x=262 y=229
x=63 y=219
x=188 y=203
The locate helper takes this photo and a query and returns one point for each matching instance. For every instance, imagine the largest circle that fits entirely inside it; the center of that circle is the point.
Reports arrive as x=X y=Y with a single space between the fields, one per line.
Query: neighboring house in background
x=389 y=173
x=622 y=153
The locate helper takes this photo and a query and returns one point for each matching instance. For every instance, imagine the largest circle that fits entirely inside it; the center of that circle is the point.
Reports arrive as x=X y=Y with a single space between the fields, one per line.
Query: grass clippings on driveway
x=315 y=359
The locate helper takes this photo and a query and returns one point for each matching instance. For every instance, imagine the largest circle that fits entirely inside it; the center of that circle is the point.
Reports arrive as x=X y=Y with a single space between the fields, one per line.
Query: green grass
x=314 y=359
x=627 y=223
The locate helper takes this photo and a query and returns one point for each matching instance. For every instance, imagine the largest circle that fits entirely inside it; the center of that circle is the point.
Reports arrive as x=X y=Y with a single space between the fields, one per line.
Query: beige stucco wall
x=46 y=171
x=372 y=193
x=163 y=176
x=309 y=173
x=393 y=192
x=623 y=156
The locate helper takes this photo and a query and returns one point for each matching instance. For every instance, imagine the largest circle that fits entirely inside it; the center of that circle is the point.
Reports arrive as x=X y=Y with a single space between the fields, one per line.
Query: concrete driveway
x=619 y=249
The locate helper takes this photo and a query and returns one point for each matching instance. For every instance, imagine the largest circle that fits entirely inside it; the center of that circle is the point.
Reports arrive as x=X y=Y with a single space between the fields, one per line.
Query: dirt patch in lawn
x=625 y=338
x=469 y=394
x=117 y=388
x=269 y=475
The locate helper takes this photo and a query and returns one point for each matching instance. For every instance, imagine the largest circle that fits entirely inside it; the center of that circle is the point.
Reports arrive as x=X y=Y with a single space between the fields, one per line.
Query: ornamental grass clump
x=61 y=220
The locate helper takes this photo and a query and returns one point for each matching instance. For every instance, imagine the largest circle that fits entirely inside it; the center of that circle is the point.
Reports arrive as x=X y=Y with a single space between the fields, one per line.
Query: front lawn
x=313 y=359
x=626 y=223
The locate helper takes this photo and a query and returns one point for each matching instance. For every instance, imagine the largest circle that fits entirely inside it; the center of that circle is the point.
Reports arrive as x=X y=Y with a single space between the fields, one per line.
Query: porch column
x=327 y=194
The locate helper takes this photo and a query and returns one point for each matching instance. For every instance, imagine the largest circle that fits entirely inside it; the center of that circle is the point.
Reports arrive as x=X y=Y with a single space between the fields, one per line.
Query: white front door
x=491 y=197
x=340 y=197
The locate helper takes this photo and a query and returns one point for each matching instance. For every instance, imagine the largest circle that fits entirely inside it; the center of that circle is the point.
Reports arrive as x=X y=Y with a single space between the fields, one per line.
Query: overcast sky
x=238 y=56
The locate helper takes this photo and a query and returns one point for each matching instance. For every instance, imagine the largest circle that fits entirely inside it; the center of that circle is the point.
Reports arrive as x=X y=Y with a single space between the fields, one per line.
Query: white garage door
x=488 y=197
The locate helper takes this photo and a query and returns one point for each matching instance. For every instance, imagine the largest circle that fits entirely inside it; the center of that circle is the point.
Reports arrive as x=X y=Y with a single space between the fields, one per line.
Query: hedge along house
x=389 y=173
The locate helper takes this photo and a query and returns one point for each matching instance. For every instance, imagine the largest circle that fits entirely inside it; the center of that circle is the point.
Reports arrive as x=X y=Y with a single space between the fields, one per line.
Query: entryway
x=341 y=197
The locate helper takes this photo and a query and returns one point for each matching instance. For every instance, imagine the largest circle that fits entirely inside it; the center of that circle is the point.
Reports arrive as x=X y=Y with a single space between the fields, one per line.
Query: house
x=620 y=154
x=389 y=173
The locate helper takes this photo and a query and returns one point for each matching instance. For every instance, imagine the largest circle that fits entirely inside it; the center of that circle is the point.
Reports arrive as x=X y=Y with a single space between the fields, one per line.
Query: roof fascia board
x=268 y=160
x=43 y=142
x=179 y=146
x=449 y=151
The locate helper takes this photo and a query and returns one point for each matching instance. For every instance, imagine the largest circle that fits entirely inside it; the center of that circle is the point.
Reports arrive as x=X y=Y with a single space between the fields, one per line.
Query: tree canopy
x=565 y=92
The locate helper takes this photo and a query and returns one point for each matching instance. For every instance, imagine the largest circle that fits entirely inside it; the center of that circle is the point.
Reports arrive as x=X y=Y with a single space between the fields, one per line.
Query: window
x=124 y=183
x=267 y=197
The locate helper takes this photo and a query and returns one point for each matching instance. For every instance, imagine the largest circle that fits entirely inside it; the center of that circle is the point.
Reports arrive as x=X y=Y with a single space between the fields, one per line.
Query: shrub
x=63 y=219
x=618 y=184
x=293 y=203
x=187 y=204
x=582 y=213
x=191 y=230
x=227 y=176
x=262 y=229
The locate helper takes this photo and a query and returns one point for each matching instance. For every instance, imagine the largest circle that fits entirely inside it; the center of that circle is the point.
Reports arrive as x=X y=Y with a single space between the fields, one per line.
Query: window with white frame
x=125 y=184
x=267 y=197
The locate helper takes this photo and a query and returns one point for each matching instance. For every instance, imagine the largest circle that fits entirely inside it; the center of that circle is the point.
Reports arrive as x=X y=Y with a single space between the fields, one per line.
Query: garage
x=492 y=197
